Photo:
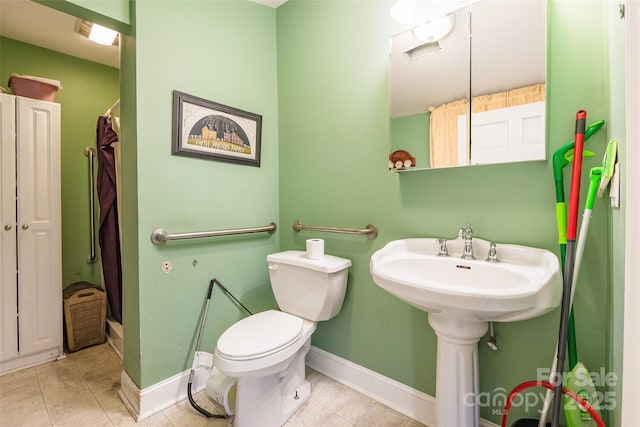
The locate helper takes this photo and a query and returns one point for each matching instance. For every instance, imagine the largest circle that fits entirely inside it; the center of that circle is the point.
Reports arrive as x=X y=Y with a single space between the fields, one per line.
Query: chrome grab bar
x=371 y=231
x=160 y=236
x=91 y=258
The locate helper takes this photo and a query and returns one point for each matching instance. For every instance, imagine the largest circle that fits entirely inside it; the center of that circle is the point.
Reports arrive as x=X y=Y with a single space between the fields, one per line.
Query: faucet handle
x=492 y=256
x=467 y=232
x=443 y=251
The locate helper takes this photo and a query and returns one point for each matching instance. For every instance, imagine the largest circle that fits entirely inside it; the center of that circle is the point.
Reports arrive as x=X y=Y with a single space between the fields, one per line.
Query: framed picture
x=213 y=131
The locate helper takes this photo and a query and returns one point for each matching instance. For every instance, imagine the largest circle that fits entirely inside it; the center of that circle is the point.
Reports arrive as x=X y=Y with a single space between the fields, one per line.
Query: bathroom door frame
x=631 y=337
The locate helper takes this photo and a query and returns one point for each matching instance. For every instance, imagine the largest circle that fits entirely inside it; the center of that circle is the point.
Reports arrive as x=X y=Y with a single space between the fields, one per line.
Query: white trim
x=397 y=396
x=630 y=365
x=153 y=399
x=406 y=400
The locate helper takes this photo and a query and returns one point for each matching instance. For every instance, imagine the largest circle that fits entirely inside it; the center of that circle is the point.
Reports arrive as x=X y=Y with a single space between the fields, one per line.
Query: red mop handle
x=572 y=225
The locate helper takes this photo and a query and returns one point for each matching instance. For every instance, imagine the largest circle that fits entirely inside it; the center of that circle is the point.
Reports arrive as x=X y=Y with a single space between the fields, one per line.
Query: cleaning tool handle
x=594 y=181
x=211 y=283
x=574 y=198
x=559 y=156
x=561 y=222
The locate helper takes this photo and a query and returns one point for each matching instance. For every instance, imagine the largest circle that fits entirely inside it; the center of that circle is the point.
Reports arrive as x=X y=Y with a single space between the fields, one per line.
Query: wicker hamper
x=85 y=312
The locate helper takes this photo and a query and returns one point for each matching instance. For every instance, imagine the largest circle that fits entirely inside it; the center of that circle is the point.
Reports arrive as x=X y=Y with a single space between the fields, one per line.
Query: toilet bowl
x=266 y=351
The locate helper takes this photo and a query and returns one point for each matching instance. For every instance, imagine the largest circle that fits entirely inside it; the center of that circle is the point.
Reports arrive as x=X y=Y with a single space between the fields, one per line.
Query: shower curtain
x=443 y=121
x=109 y=229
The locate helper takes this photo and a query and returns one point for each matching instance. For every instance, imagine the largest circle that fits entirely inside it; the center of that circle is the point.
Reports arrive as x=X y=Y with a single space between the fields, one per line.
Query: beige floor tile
x=109 y=401
x=327 y=418
x=97 y=421
x=23 y=411
x=59 y=374
x=380 y=416
x=182 y=414
x=56 y=396
x=80 y=407
x=325 y=390
x=306 y=414
x=120 y=417
x=351 y=405
x=17 y=386
x=313 y=376
x=103 y=383
x=81 y=390
x=96 y=359
x=414 y=423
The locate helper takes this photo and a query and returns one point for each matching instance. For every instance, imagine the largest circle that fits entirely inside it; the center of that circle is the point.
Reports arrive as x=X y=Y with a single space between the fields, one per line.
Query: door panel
x=8 y=268
x=39 y=229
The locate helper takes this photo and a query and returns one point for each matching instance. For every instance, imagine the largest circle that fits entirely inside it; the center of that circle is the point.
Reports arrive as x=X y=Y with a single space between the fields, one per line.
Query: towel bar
x=160 y=236
x=371 y=231
x=91 y=258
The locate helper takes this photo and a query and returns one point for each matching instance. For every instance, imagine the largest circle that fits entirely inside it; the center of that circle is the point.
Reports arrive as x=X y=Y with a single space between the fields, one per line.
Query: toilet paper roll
x=315 y=248
x=222 y=389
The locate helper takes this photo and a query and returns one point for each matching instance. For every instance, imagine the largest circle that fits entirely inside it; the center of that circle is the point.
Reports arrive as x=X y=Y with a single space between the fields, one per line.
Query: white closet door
x=511 y=134
x=39 y=227
x=8 y=268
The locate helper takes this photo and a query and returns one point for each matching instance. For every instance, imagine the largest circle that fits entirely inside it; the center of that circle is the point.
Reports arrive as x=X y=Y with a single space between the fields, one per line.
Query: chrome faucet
x=442 y=243
x=443 y=251
x=492 y=256
x=468 y=243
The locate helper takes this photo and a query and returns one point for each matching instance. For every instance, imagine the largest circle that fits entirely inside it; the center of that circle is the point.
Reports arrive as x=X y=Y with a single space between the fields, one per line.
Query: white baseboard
x=153 y=399
x=391 y=393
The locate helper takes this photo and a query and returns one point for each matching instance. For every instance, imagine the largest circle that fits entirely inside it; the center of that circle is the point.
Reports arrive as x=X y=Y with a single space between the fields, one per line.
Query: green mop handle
x=560 y=160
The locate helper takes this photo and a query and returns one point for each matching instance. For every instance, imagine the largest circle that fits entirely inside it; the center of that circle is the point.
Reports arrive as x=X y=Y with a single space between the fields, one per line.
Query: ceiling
x=415 y=85
x=39 y=25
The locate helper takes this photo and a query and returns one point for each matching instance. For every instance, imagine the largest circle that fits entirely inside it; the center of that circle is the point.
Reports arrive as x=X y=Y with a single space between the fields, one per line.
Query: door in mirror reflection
x=508 y=75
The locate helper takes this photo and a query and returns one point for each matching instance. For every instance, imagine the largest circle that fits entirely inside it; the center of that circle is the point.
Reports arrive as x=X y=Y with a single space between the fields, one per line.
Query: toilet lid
x=260 y=335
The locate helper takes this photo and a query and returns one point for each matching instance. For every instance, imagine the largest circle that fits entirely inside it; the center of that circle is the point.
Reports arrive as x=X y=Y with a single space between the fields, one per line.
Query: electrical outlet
x=167 y=266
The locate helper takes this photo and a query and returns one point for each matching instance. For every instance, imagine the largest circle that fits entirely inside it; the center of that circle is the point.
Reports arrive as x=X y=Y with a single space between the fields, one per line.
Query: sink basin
x=460 y=297
x=525 y=283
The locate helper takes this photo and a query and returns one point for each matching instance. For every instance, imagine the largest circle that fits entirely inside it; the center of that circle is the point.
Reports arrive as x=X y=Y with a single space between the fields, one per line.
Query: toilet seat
x=260 y=335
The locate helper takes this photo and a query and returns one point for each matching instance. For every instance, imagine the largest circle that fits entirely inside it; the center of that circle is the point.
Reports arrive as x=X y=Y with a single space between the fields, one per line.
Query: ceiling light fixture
x=413 y=12
x=404 y=11
x=96 y=33
x=102 y=35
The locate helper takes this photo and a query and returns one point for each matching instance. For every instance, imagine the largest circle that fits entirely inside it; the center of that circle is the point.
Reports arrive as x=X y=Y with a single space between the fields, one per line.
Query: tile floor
x=73 y=392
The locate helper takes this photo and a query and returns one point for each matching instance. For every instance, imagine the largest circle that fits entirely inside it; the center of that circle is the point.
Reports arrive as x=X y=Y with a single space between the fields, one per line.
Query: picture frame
x=209 y=130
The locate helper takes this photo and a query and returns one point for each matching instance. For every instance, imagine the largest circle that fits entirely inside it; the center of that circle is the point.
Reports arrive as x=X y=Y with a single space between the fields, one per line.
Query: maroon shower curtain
x=108 y=232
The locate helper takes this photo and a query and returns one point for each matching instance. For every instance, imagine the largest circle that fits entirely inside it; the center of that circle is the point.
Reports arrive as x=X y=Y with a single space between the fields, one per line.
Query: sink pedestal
x=457 y=370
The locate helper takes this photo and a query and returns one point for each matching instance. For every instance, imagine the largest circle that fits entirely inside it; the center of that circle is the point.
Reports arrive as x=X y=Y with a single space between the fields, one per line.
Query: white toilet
x=266 y=352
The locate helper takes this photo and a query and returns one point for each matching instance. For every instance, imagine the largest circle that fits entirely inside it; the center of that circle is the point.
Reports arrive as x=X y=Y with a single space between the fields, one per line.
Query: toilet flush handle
x=273 y=267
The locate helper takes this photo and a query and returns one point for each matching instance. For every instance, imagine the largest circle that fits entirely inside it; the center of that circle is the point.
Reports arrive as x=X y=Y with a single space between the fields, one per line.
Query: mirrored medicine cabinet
x=469 y=87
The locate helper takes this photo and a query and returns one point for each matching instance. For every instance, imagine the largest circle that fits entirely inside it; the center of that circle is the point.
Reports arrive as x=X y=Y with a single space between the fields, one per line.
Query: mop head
x=579 y=381
x=608 y=166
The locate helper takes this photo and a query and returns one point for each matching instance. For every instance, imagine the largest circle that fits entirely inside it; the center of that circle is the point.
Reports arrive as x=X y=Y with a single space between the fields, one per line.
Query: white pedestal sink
x=460 y=297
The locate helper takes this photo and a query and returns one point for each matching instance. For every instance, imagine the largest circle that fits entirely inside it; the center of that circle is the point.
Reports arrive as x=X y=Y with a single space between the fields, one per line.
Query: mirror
x=471 y=91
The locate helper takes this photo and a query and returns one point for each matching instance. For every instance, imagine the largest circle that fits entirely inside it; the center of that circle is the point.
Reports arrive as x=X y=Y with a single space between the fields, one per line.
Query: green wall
x=89 y=89
x=334 y=141
x=223 y=51
x=616 y=50
x=317 y=72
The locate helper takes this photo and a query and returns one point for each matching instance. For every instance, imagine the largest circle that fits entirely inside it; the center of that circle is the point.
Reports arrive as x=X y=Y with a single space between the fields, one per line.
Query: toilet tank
x=309 y=288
